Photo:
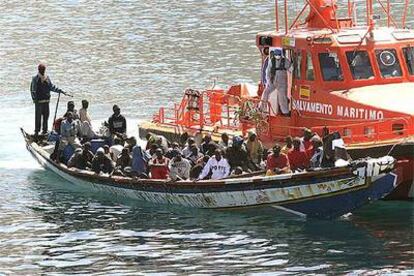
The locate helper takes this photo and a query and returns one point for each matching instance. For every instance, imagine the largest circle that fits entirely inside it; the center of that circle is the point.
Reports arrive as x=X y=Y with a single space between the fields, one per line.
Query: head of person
x=307 y=134
x=154 y=147
x=71 y=106
x=117 y=141
x=206 y=158
x=276 y=150
x=175 y=145
x=116 y=110
x=217 y=154
x=190 y=141
x=194 y=150
x=158 y=153
x=225 y=137
x=207 y=138
x=106 y=149
x=178 y=157
x=237 y=141
x=238 y=170
x=100 y=153
x=41 y=68
x=69 y=116
x=252 y=136
x=296 y=143
x=132 y=141
x=87 y=147
x=85 y=104
x=316 y=142
x=289 y=141
x=125 y=151
x=266 y=51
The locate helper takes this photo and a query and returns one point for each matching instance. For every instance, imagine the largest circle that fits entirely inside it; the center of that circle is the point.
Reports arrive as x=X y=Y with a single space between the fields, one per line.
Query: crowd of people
x=121 y=155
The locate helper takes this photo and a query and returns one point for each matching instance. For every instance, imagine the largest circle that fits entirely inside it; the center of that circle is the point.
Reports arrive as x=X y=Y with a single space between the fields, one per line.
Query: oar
x=57 y=103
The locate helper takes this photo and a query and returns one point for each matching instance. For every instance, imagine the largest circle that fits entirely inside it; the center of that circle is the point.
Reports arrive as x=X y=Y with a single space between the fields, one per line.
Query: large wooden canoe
x=327 y=193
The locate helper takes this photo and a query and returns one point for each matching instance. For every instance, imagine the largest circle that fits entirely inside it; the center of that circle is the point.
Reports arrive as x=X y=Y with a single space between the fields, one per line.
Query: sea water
x=141 y=55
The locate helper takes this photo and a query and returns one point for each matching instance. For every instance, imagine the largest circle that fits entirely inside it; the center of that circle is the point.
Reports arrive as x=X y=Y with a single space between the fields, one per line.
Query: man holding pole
x=40 y=90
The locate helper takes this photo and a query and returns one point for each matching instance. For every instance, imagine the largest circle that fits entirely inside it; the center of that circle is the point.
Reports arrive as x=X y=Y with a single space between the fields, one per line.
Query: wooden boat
x=347 y=74
x=326 y=193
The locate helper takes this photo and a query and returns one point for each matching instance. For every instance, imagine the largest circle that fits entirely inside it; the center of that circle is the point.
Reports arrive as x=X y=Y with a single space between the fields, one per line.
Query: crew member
x=40 y=90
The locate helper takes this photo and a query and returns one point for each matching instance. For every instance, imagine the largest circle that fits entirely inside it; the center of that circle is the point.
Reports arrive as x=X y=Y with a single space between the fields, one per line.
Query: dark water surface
x=141 y=55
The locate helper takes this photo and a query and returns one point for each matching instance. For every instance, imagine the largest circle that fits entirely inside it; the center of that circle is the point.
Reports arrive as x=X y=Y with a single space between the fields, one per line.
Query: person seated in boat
x=217 y=166
x=254 y=150
x=71 y=108
x=80 y=161
x=69 y=129
x=224 y=141
x=316 y=153
x=237 y=155
x=84 y=114
x=175 y=147
x=306 y=139
x=298 y=159
x=194 y=155
x=288 y=145
x=140 y=160
x=116 y=149
x=159 y=165
x=179 y=167
x=187 y=149
x=159 y=140
x=277 y=162
x=102 y=163
x=123 y=161
x=151 y=151
x=198 y=167
x=117 y=123
x=107 y=151
x=130 y=143
x=208 y=146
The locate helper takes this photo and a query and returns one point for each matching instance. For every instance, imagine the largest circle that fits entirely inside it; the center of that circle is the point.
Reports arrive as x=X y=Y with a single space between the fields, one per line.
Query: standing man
x=40 y=90
x=117 y=122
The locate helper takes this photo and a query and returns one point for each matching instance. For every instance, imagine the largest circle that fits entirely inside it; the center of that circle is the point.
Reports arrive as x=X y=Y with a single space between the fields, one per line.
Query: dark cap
x=41 y=67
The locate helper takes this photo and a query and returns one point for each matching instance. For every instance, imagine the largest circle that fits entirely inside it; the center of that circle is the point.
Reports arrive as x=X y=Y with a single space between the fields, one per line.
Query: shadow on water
x=267 y=238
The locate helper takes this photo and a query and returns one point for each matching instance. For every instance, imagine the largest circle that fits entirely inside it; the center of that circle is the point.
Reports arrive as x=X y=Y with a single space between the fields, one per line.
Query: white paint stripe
x=289 y=211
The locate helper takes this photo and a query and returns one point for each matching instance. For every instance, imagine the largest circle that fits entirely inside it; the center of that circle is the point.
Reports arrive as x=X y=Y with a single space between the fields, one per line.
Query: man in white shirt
x=116 y=149
x=218 y=166
x=179 y=167
x=83 y=112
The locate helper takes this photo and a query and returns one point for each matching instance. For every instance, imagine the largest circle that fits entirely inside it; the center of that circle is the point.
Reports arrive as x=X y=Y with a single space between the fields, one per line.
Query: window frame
x=409 y=70
x=341 y=71
x=352 y=68
x=394 y=51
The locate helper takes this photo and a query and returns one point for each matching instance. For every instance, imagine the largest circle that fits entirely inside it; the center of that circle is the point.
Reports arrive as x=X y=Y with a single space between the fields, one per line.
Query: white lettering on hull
x=341 y=111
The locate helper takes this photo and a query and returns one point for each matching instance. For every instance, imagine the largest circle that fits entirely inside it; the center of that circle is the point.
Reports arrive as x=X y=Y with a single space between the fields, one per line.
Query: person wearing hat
x=277 y=162
x=40 y=88
x=179 y=167
x=117 y=122
x=159 y=165
x=102 y=163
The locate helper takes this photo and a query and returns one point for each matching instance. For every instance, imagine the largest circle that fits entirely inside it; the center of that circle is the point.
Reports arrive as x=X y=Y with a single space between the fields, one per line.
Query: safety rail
x=212 y=108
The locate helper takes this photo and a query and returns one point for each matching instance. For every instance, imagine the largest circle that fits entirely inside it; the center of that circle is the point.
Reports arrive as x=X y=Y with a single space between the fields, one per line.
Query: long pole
x=405 y=14
x=57 y=105
x=286 y=17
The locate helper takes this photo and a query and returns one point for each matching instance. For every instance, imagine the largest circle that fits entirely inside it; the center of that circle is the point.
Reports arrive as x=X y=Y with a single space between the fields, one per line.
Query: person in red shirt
x=159 y=165
x=277 y=162
x=298 y=159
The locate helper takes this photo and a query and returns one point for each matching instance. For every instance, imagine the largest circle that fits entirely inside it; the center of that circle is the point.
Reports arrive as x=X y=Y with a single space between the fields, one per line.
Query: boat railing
x=205 y=109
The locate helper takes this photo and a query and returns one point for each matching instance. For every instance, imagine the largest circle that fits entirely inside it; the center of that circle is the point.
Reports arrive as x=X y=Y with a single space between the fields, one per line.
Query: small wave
x=14 y=165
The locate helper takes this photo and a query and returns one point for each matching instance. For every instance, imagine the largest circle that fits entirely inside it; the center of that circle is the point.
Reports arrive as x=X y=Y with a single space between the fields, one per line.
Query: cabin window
x=360 y=65
x=409 y=59
x=310 y=72
x=388 y=63
x=331 y=68
x=298 y=66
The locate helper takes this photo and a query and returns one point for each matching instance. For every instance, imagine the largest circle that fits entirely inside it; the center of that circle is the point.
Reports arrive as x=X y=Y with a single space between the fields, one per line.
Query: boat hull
x=324 y=197
x=403 y=151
